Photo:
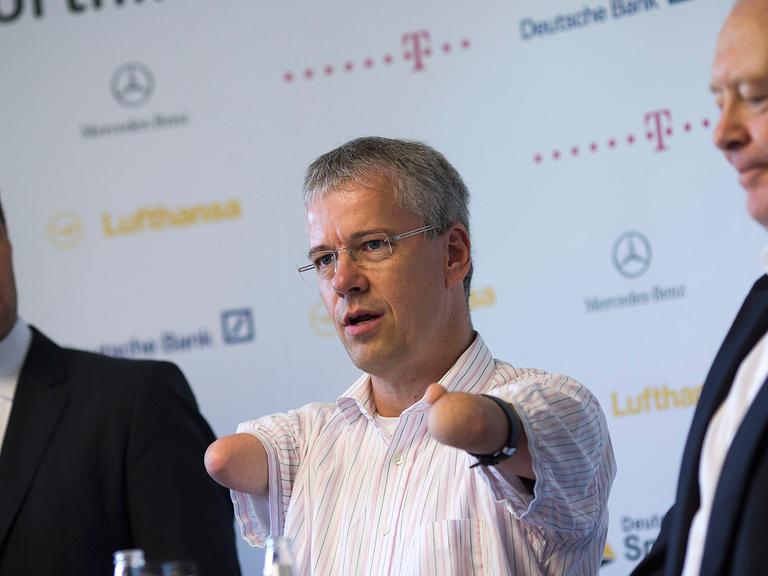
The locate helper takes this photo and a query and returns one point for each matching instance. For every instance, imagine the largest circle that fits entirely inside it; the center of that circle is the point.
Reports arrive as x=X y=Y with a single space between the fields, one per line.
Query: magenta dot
x=687 y=126
x=407 y=55
x=368 y=62
x=446 y=47
x=388 y=59
x=328 y=70
x=288 y=77
x=649 y=135
x=556 y=154
x=537 y=158
x=575 y=151
x=465 y=43
x=611 y=143
x=308 y=73
x=593 y=146
x=669 y=131
x=349 y=66
x=705 y=122
x=631 y=139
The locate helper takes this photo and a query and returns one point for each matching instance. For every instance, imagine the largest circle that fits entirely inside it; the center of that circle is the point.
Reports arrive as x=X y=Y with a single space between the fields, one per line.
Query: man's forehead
x=367 y=192
x=742 y=46
x=348 y=210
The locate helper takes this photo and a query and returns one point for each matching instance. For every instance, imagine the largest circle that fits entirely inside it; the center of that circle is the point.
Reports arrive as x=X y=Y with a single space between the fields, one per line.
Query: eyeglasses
x=368 y=249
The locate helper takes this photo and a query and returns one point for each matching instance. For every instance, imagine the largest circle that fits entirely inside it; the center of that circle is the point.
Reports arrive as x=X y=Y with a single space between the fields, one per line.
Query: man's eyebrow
x=320 y=248
x=364 y=233
x=354 y=236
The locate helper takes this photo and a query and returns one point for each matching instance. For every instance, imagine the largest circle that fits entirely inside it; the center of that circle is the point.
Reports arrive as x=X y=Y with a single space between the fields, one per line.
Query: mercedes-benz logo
x=632 y=254
x=132 y=85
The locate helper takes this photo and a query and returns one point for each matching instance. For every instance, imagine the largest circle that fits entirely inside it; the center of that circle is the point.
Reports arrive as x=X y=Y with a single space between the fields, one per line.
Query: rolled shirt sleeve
x=571 y=453
x=284 y=438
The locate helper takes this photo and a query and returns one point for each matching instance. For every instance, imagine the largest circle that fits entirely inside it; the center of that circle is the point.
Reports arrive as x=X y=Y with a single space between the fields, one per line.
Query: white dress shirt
x=354 y=499
x=13 y=350
x=750 y=376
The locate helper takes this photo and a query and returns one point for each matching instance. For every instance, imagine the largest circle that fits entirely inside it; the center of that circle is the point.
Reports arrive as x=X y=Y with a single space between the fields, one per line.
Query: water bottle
x=279 y=558
x=128 y=562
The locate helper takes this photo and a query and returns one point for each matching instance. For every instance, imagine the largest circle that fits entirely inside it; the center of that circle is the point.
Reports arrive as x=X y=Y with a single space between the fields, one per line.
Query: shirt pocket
x=451 y=548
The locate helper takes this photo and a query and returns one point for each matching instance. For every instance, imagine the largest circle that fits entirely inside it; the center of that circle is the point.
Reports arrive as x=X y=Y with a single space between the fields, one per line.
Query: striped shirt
x=355 y=500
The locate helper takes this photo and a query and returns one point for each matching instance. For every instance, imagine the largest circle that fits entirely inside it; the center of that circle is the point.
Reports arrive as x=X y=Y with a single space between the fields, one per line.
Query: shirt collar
x=13 y=350
x=764 y=259
x=468 y=374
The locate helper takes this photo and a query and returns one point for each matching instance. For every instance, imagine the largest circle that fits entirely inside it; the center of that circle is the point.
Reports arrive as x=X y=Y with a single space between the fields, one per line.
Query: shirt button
x=384 y=530
x=399 y=460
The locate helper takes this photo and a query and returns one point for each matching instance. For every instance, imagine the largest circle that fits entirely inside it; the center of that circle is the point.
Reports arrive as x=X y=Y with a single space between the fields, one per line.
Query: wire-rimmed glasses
x=367 y=249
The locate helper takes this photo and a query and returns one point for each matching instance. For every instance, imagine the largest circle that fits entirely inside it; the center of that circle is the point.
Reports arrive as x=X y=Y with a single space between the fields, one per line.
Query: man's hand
x=477 y=425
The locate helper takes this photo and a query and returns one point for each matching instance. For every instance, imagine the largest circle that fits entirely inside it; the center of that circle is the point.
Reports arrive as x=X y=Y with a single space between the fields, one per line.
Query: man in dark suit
x=719 y=521
x=99 y=454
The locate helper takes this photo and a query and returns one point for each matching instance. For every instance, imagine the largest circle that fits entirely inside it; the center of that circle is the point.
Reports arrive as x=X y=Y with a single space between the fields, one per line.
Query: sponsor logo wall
x=609 y=237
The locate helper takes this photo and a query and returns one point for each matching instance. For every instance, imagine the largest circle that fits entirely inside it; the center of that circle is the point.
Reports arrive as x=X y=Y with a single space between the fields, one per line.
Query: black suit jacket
x=737 y=535
x=102 y=454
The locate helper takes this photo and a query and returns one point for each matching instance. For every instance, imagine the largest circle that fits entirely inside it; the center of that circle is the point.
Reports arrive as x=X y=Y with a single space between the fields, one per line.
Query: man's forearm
x=477 y=425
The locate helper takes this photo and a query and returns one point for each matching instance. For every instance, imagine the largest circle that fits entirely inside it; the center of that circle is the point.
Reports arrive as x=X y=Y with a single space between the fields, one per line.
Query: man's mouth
x=354 y=321
x=357 y=318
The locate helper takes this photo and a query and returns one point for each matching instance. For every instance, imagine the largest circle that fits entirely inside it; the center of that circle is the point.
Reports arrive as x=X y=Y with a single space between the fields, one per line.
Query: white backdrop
x=153 y=154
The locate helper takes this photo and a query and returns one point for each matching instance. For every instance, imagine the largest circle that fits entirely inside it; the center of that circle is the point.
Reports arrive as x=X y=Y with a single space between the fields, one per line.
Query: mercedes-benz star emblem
x=132 y=85
x=632 y=254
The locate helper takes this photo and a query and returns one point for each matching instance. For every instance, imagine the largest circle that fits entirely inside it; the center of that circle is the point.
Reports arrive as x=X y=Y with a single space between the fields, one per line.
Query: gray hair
x=423 y=181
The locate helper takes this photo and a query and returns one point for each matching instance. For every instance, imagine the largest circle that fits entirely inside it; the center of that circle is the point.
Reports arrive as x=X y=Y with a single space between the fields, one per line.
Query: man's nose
x=348 y=277
x=731 y=132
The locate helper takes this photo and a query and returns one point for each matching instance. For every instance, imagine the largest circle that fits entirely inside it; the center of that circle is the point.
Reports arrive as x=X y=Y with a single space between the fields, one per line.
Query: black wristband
x=512 y=438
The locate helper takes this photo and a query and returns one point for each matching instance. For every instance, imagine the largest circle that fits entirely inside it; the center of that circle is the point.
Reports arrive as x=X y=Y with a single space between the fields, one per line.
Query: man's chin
x=757 y=206
x=368 y=360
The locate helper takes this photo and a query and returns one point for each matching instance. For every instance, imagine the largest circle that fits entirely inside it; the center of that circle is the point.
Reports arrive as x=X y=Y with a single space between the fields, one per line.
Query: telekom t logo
x=659 y=130
x=659 y=125
x=417 y=47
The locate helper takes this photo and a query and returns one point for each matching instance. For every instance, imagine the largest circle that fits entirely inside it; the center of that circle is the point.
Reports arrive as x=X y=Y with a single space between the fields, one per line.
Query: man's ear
x=459 y=257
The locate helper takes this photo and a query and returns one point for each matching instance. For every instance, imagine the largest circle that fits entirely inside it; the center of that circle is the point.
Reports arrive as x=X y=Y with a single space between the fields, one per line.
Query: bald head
x=740 y=86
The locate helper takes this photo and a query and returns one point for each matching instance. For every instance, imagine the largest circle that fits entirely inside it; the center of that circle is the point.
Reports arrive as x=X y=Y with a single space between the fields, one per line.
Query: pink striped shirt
x=355 y=500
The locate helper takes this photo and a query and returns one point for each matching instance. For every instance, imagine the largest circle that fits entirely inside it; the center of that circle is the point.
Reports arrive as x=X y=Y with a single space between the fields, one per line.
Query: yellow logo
x=65 y=230
x=608 y=555
x=655 y=398
x=483 y=298
x=160 y=218
x=320 y=322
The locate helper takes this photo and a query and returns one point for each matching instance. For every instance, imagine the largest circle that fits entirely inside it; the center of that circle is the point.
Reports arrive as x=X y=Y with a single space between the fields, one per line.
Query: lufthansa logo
x=132 y=85
x=320 y=322
x=631 y=254
x=65 y=230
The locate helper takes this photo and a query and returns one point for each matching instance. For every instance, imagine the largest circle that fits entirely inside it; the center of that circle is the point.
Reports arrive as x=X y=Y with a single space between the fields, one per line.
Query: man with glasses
x=439 y=459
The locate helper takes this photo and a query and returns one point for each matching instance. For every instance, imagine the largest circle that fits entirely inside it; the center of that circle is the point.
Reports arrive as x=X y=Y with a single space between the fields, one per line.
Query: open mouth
x=360 y=318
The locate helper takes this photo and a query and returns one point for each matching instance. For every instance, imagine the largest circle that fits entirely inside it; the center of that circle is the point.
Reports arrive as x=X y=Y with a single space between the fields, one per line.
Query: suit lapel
x=41 y=395
x=733 y=483
x=749 y=326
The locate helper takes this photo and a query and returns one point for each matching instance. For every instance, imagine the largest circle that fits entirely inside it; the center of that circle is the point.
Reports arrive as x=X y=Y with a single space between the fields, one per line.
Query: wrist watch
x=510 y=447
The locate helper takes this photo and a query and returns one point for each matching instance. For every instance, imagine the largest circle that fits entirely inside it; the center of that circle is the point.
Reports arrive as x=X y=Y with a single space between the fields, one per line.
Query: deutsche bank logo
x=631 y=254
x=132 y=85
x=237 y=326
